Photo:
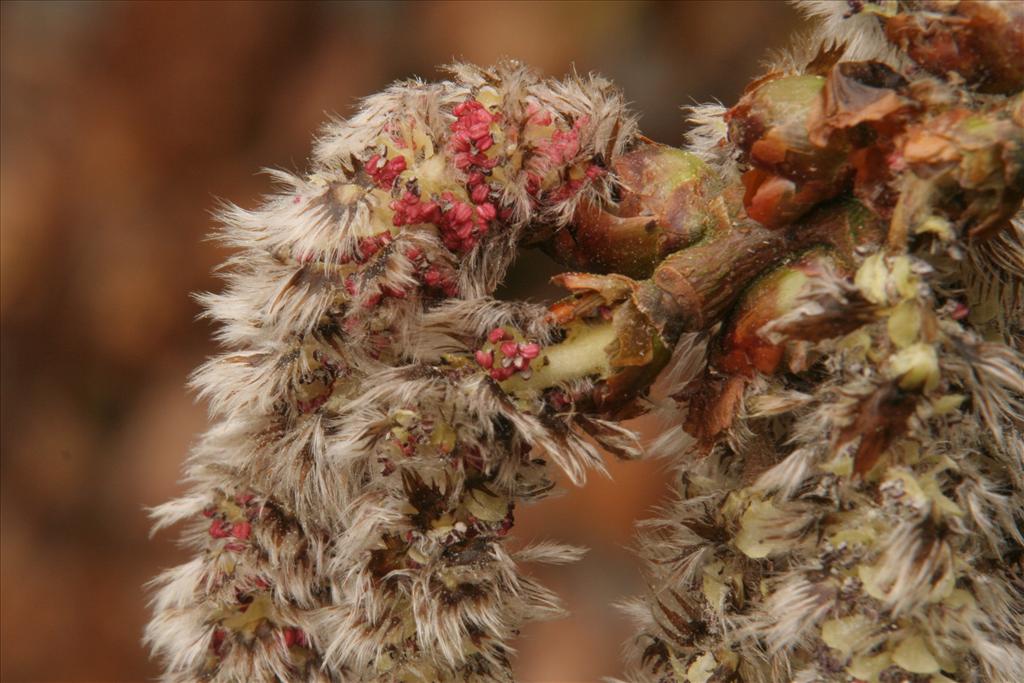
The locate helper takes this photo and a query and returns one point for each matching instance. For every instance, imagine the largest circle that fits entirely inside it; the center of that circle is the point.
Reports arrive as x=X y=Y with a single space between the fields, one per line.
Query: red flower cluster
x=410 y=209
x=471 y=138
x=384 y=173
x=561 y=148
x=368 y=246
x=460 y=224
x=515 y=357
x=431 y=275
x=222 y=529
x=563 y=145
x=472 y=135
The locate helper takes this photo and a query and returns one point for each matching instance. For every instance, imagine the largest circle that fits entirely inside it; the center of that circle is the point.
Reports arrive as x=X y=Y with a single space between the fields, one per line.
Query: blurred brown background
x=121 y=124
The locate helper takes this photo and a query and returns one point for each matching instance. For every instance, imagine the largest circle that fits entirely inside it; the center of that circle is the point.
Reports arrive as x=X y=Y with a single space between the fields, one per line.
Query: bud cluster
x=849 y=505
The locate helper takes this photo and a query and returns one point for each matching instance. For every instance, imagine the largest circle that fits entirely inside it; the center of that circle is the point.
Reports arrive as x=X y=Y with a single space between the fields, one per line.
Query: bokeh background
x=121 y=125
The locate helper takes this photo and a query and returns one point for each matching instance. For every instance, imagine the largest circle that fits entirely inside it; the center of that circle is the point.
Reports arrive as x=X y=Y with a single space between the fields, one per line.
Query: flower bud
x=662 y=207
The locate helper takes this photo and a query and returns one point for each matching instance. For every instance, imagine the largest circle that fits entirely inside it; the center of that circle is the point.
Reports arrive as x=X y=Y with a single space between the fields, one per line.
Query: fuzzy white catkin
x=349 y=502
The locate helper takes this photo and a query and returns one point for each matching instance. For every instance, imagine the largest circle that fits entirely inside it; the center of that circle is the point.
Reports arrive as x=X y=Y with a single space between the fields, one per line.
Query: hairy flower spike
x=823 y=296
x=354 y=493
